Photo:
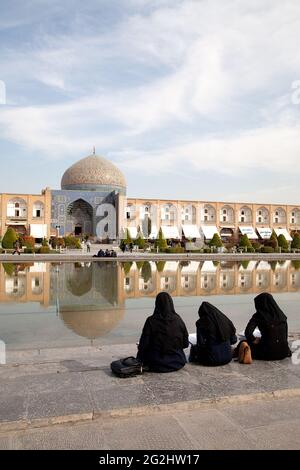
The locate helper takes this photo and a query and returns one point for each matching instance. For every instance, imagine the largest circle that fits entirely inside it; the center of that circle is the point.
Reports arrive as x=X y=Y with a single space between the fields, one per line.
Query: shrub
x=296 y=242
x=216 y=241
x=28 y=241
x=283 y=243
x=29 y=250
x=267 y=249
x=140 y=241
x=9 y=238
x=44 y=250
x=175 y=249
x=245 y=243
x=57 y=242
x=72 y=242
x=44 y=242
x=273 y=242
x=126 y=241
x=161 y=242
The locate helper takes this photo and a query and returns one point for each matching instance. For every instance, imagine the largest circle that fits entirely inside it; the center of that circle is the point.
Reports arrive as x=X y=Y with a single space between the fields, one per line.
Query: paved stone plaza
x=68 y=398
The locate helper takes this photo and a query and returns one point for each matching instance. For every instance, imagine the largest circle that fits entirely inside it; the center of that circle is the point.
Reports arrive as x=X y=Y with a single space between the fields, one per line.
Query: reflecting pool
x=45 y=305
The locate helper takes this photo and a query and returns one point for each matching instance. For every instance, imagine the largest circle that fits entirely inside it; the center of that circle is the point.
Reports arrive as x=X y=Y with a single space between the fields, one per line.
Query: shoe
x=245 y=353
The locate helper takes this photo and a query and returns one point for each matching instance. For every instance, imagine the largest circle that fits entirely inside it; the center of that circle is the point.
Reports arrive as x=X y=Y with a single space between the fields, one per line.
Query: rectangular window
x=259 y=219
x=17 y=213
x=224 y=218
x=293 y=220
x=38 y=213
x=242 y=219
x=205 y=218
x=276 y=220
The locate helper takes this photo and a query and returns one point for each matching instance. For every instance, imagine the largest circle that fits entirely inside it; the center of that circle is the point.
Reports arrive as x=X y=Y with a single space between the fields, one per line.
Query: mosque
x=93 y=183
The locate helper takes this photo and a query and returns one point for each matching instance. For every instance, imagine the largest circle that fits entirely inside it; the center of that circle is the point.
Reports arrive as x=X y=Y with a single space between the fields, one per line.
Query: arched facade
x=208 y=214
x=262 y=216
x=245 y=215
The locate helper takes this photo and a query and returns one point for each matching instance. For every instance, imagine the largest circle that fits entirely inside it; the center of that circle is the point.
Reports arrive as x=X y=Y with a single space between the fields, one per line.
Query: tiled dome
x=93 y=173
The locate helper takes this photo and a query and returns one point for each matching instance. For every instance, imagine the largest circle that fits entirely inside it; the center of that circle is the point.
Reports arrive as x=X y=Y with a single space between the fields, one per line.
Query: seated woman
x=215 y=334
x=164 y=338
x=272 y=323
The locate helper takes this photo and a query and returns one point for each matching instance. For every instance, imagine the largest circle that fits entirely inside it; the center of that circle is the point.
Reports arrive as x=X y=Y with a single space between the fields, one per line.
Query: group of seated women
x=165 y=336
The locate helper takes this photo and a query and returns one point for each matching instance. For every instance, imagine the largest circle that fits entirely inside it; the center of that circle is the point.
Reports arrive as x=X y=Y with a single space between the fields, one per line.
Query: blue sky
x=191 y=99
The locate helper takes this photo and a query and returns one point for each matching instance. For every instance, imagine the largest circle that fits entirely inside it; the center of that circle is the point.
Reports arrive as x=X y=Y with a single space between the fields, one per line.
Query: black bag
x=127 y=367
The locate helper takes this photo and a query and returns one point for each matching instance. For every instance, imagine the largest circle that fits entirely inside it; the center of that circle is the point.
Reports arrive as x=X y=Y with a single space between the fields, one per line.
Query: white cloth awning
x=249 y=231
x=132 y=231
x=38 y=230
x=209 y=231
x=264 y=233
x=170 y=231
x=191 y=231
x=283 y=231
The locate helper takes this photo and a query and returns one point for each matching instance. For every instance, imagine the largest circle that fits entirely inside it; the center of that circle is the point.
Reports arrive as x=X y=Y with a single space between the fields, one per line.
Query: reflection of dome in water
x=93 y=173
x=91 y=324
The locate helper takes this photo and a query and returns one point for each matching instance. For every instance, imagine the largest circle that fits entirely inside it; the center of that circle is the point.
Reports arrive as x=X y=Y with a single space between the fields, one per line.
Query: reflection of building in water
x=209 y=278
x=24 y=283
x=88 y=297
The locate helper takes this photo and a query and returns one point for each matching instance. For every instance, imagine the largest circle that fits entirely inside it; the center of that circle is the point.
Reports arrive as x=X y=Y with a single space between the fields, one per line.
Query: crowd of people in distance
x=165 y=336
x=105 y=254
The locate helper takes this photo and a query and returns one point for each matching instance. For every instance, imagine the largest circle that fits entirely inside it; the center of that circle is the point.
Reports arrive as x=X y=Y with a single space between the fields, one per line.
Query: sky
x=191 y=99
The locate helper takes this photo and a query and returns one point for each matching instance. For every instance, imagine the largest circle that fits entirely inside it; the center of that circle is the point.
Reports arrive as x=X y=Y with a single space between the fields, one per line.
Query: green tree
x=127 y=240
x=126 y=266
x=273 y=242
x=245 y=242
x=283 y=243
x=9 y=238
x=139 y=264
x=140 y=241
x=296 y=242
x=161 y=242
x=216 y=241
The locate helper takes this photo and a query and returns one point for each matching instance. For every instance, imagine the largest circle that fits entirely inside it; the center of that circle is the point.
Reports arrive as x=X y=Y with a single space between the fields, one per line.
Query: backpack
x=127 y=367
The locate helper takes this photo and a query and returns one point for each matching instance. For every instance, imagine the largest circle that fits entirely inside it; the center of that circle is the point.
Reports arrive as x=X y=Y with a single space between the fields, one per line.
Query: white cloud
x=194 y=63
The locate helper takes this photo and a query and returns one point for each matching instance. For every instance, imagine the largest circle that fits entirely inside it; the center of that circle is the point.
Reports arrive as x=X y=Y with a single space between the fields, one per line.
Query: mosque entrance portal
x=80 y=217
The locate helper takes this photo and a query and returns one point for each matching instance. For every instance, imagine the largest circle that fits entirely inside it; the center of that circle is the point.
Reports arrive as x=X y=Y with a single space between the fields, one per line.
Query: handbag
x=245 y=356
x=127 y=367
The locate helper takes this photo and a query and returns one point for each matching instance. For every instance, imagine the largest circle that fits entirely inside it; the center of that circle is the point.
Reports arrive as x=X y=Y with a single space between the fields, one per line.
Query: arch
x=168 y=213
x=17 y=208
x=262 y=215
x=227 y=214
x=188 y=214
x=38 y=209
x=295 y=216
x=279 y=216
x=208 y=213
x=80 y=217
x=245 y=215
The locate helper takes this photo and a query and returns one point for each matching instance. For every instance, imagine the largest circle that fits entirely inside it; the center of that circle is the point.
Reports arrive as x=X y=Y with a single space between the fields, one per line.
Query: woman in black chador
x=215 y=335
x=272 y=323
x=164 y=338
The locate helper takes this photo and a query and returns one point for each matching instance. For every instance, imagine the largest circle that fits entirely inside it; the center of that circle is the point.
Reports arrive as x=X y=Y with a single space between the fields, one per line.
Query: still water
x=45 y=305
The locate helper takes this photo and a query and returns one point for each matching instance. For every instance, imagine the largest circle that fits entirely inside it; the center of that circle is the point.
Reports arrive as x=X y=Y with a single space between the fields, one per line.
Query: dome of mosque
x=93 y=173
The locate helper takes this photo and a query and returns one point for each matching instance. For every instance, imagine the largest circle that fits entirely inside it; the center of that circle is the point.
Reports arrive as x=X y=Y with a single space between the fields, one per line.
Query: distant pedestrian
x=17 y=248
x=88 y=246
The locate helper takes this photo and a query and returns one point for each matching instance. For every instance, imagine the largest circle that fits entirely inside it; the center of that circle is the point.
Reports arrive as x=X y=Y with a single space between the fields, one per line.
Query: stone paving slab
x=77 y=384
x=235 y=426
